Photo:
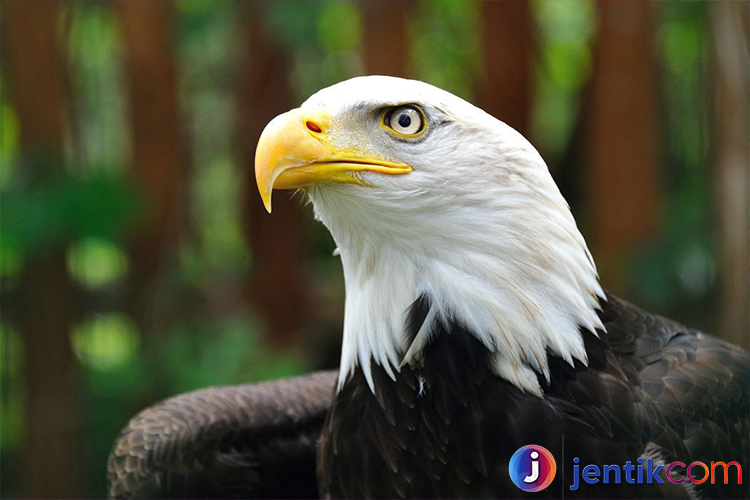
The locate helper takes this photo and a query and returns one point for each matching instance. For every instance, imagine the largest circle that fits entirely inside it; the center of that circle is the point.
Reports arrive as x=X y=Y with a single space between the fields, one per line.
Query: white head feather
x=479 y=226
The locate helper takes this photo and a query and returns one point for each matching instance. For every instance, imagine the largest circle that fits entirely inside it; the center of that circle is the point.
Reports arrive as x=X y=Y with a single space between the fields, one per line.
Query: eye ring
x=407 y=121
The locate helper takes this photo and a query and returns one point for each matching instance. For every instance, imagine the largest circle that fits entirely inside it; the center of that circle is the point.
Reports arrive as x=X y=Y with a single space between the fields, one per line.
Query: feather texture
x=249 y=441
x=653 y=388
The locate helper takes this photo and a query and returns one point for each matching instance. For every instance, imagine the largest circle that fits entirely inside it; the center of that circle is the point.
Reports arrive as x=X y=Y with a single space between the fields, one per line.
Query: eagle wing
x=693 y=390
x=246 y=441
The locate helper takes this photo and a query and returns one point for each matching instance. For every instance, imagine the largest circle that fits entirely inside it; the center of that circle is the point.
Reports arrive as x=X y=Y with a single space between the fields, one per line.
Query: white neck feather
x=503 y=258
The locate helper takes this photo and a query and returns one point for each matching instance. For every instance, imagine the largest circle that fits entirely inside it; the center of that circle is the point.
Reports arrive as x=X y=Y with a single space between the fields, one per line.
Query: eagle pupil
x=404 y=120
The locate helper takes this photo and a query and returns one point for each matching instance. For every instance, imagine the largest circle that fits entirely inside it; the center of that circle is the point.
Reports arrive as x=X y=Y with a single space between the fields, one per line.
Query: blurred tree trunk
x=52 y=445
x=386 y=41
x=622 y=137
x=158 y=165
x=277 y=241
x=505 y=89
x=729 y=23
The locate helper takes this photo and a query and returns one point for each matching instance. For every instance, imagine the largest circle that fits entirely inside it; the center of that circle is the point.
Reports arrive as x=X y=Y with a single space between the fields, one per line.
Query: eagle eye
x=405 y=121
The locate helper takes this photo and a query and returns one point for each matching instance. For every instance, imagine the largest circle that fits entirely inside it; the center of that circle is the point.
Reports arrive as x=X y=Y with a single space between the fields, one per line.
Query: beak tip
x=265 y=191
x=267 y=203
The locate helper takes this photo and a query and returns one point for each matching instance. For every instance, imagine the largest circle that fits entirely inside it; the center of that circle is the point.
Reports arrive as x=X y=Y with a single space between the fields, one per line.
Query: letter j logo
x=532 y=468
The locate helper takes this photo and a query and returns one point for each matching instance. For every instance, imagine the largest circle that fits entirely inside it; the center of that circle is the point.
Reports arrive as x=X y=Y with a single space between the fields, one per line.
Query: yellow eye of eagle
x=405 y=121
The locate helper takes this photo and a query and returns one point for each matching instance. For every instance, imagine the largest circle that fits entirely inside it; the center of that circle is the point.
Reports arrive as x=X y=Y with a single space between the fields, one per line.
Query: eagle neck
x=384 y=283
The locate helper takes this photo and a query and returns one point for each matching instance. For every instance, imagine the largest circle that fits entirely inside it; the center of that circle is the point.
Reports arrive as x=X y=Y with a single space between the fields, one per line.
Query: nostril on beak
x=313 y=127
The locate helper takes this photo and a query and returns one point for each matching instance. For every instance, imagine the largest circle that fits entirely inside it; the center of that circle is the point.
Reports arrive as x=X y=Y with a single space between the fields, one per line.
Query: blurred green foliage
x=445 y=45
x=566 y=31
x=63 y=209
x=679 y=266
x=88 y=207
x=8 y=140
x=100 y=138
x=96 y=262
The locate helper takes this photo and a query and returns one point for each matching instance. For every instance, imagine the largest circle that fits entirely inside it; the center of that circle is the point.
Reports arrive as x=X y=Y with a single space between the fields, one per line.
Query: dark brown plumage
x=652 y=388
x=247 y=441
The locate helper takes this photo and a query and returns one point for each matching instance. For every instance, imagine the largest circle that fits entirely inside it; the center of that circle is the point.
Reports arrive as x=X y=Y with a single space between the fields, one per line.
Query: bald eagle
x=475 y=325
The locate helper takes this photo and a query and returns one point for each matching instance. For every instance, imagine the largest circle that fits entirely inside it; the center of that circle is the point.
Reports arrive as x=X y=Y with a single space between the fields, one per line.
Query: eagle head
x=429 y=196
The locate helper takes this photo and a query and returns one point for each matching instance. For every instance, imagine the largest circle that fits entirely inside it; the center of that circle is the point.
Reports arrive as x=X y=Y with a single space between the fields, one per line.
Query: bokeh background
x=136 y=261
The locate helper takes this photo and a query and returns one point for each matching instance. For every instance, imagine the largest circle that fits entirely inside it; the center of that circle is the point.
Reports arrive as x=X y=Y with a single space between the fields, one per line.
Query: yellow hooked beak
x=295 y=150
